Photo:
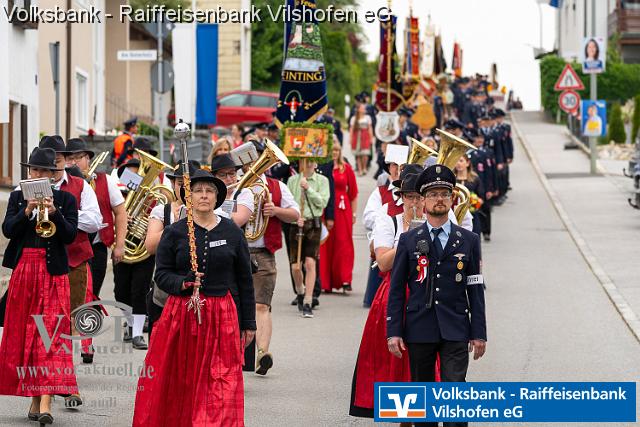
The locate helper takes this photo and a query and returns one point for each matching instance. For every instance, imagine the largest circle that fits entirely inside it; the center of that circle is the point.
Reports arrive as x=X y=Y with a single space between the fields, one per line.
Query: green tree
x=616 y=126
x=635 y=121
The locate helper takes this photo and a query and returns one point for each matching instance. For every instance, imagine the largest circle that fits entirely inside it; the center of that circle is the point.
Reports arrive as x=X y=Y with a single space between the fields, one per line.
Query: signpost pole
x=593 y=94
x=160 y=86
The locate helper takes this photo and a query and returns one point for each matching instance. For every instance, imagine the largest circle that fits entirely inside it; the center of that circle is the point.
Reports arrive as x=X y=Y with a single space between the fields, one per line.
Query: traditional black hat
x=409 y=184
x=223 y=161
x=202 y=175
x=132 y=162
x=177 y=172
x=74 y=171
x=77 y=145
x=42 y=158
x=436 y=176
x=410 y=169
x=143 y=144
x=55 y=142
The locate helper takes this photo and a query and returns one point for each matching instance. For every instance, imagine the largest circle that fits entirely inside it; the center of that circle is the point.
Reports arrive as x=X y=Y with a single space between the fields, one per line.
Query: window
x=234 y=100
x=263 y=101
x=82 y=100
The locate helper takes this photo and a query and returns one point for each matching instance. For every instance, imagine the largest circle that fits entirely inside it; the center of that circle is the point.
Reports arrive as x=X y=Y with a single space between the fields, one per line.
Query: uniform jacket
x=457 y=312
x=20 y=229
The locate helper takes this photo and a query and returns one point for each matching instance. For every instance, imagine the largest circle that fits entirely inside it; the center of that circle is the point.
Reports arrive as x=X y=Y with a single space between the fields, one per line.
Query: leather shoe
x=127 y=334
x=139 y=343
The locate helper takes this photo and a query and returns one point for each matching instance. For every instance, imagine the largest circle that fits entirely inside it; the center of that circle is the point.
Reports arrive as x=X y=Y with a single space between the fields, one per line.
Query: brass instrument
x=45 y=228
x=139 y=203
x=419 y=152
x=257 y=224
x=94 y=165
x=451 y=149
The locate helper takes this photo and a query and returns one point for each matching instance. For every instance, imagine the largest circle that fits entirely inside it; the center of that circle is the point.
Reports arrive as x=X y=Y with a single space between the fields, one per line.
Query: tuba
x=451 y=149
x=419 y=153
x=139 y=203
x=257 y=224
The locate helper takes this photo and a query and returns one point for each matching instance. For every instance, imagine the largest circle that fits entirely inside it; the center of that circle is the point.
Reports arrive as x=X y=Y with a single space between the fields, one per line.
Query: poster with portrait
x=594 y=118
x=593 y=55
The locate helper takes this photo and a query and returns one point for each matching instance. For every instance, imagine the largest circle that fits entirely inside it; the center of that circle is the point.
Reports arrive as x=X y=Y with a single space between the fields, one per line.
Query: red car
x=246 y=107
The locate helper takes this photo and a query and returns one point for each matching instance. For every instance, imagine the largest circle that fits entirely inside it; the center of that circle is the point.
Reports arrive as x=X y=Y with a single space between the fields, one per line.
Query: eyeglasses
x=413 y=197
x=433 y=196
x=223 y=175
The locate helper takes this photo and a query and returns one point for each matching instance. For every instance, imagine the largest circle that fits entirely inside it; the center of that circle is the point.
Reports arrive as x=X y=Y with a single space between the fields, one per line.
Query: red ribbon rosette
x=423 y=267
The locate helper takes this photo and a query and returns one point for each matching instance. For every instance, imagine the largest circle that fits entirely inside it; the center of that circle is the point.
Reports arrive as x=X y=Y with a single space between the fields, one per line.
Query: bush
x=616 y=126
x=635 y=121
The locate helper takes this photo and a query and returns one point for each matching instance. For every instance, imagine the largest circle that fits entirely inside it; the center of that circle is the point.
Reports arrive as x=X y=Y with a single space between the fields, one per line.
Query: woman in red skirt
x=336 y=253
x=361 y=133
x=38 y=289
x=375 y=363
x=193 y=372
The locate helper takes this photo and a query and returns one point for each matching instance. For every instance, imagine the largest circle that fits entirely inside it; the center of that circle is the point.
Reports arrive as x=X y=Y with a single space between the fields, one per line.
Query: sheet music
x=36 y=188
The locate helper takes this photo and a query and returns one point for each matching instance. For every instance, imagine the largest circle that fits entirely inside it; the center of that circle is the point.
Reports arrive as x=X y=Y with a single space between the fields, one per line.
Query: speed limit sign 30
x=569 y=101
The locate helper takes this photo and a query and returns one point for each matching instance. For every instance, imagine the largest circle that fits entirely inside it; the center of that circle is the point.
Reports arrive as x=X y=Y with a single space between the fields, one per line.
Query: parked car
x=246 y=107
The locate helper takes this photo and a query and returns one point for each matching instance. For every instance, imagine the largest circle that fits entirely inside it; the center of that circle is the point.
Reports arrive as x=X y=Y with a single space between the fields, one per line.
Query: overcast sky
x=500 y=31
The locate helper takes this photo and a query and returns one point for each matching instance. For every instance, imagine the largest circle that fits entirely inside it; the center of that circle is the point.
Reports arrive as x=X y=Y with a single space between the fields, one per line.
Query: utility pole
x=593 y=94
x=54 y=55
x=159 y=23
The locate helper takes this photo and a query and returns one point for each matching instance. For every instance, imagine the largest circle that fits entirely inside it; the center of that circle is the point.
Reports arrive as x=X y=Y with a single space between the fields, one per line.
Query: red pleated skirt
x=27 y=366
x=193 y=372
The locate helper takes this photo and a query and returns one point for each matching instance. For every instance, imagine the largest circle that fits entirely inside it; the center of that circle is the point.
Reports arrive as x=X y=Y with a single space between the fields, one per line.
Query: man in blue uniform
x=444 y=314
x=482 y=161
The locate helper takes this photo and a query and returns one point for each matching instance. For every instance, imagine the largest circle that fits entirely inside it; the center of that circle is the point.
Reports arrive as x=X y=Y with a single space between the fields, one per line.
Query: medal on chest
x=423 y=268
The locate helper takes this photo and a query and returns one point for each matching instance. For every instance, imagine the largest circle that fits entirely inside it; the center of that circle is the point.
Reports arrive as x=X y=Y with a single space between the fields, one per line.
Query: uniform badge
x=423 y=266
x=438 y=169
x=458 y=234
x=460 y=265
x=458 y=278
x=459 y=256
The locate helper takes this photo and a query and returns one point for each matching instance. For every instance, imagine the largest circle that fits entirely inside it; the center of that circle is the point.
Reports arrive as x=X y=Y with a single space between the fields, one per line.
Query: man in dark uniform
x=493 y=140
x=329 y=119
x=407 y=127
x=482 y=161
x=444 y=313
x=505 y=130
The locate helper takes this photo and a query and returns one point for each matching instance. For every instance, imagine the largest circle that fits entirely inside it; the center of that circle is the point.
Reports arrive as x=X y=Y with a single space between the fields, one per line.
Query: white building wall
x=575 y=20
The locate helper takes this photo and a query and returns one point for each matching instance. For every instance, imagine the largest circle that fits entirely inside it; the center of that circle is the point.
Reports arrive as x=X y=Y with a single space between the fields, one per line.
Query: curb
x=605 y=281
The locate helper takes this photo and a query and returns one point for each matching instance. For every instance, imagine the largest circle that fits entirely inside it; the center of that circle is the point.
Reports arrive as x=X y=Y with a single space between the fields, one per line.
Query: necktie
x=436 y=242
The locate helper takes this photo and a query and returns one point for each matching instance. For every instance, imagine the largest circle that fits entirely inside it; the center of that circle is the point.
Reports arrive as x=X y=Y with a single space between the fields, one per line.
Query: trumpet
x=45 y=228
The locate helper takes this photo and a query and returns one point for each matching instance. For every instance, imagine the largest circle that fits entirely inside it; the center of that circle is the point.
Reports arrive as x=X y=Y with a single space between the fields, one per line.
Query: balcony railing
x=625 y=22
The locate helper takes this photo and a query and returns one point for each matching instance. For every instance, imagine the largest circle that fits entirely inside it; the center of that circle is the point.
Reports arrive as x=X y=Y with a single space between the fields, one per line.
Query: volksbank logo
x=400 y=402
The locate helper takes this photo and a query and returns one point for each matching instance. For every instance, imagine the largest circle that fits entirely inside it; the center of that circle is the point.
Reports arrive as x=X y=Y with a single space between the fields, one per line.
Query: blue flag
x=555 y=3
x=303 y=90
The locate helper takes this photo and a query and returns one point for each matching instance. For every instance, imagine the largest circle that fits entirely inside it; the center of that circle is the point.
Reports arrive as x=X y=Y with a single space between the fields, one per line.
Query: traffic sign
x=568 y=80
x=167 y=77
x=165 y=28
x=569 y=101
x=137 y=55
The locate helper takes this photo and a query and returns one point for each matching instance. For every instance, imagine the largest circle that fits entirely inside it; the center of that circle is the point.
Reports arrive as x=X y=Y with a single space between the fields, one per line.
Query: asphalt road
x=548 y=320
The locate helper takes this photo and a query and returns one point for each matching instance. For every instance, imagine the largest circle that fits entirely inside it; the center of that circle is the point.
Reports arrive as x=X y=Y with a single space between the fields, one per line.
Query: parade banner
x=511 y=402
x=439 y=62
x=411 y=64
x=428 y=51
x=456 y=62
x=388 y=73
x=310 y=141
x=303 y=90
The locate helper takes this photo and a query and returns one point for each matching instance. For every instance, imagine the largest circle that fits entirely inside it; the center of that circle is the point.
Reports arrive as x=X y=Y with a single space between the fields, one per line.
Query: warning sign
x=568 y=80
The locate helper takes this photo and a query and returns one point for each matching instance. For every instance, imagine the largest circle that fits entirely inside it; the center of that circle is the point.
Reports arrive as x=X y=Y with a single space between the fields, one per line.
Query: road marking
x=621 y=304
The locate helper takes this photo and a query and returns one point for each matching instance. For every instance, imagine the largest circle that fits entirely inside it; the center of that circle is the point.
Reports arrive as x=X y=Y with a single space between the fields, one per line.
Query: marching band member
x=375 y=363
x=39 y=285
x=279 y=207
x=224 y=168
x=314 y=188
x=439 y=264
x=131 y=284
x=89 y=221
x=395 y=157
x=197 y=368
x=161 y=217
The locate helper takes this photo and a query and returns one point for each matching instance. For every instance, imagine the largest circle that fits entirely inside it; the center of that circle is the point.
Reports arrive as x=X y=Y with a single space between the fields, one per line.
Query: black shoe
x=45 y=418
x=71 y=401
x=265 y=362
x=315 y=302
x=87 y=357
x=347 y=288
x=139 y=344
x=145 y=328
x=487 y=238
x=128 y=334
x=294 y=301
x=299 y=301
x=307 y=312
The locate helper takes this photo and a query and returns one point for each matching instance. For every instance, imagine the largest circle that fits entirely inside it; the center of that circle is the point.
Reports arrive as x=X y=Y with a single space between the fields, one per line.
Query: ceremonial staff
x=301 y=166
x=181 y=131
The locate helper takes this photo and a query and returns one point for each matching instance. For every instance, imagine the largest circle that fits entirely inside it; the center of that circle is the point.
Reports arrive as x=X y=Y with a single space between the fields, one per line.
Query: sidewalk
x=596 y=206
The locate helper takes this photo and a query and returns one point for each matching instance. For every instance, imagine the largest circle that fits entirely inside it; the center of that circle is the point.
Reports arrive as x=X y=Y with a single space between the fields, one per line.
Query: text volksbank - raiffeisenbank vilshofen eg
x=525 y=393
x=217 y=15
